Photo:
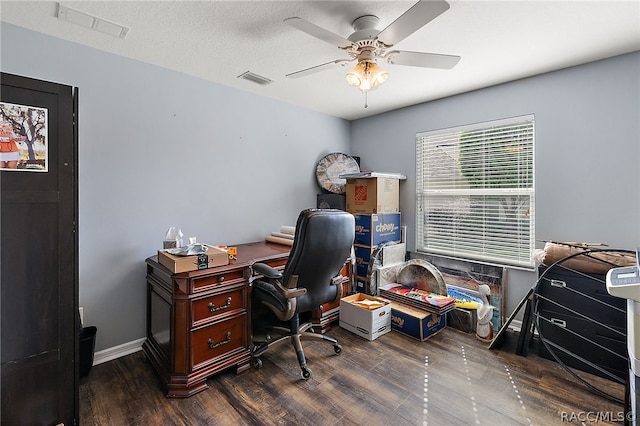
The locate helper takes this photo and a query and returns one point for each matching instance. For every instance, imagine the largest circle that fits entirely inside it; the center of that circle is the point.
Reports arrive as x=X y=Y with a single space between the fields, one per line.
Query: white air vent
x=255 y=78
x=93 y=22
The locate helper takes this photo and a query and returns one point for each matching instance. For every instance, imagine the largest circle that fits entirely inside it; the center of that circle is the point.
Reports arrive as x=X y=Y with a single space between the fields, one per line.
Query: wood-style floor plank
x=449 y=379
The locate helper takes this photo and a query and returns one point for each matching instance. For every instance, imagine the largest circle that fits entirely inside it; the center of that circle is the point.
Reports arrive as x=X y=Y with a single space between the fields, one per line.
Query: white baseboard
x=118 y=351
x=516 y=325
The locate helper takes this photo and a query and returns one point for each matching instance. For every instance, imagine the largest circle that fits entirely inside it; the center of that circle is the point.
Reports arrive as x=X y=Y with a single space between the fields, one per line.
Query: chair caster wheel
x=257 y=363
x=306 y=373
x=337 y=349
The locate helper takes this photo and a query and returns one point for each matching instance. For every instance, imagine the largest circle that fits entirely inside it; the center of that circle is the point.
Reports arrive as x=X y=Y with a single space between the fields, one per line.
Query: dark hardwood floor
x=450 y=379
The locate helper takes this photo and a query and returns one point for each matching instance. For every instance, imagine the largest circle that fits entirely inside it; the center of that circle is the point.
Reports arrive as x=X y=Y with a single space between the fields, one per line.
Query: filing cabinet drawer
x=210 y=281
x=575 y=335
x=587 y=295
x=218 y=339
x=206 y=309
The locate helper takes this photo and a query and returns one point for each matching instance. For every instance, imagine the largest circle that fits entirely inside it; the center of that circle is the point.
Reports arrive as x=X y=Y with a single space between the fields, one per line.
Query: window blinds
x=475 y=192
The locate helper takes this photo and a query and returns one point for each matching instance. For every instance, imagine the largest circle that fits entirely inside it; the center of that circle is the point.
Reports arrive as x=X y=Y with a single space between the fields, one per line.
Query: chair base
x=284 y=334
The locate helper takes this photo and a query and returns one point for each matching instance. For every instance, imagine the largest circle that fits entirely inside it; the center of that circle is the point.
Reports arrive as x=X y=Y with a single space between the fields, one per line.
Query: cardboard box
x=374 y=229
x=213 y=257
x=373 y=195
x=416 y=323
x=367 y=323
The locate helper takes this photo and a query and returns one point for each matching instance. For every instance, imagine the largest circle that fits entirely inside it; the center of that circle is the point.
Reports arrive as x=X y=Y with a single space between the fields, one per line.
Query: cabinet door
x=39 y=256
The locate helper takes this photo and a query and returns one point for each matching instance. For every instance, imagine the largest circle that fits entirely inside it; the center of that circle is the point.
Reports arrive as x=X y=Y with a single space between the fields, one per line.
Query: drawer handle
x=213 y=308
x=213 y=345
x=558 y=283
x=559 y=322
x=221 y=278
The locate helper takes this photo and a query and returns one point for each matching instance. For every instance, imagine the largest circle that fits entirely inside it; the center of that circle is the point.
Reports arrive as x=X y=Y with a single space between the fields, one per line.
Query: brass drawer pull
x=213 y=345
x=213 y=308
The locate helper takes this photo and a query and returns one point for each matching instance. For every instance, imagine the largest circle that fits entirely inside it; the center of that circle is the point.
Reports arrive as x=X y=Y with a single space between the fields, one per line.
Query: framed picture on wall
x=23 y=138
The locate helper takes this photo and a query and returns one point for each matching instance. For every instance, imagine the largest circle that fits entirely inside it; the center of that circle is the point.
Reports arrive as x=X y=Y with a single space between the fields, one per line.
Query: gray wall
x=159 y=148
x=587 y=124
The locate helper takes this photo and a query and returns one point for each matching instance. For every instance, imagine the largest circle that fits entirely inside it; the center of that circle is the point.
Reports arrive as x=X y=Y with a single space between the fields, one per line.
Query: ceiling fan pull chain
x=366 y=104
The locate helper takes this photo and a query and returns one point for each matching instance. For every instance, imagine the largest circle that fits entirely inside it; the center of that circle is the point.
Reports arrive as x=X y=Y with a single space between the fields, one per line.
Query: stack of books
x=418 y=298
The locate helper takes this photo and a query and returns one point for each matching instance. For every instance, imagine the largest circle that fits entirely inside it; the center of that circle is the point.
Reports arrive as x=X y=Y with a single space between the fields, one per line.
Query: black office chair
x=322 y=244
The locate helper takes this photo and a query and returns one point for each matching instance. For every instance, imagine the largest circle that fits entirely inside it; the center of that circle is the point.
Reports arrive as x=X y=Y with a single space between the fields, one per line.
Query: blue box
x=374 y=229
x=415 y=322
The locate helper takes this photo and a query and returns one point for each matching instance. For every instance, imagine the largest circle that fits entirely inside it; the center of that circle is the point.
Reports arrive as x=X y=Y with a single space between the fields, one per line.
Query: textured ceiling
x=498 y=41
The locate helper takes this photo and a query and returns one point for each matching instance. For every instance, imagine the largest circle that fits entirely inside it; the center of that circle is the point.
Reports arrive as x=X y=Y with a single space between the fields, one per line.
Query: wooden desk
x=199 y=322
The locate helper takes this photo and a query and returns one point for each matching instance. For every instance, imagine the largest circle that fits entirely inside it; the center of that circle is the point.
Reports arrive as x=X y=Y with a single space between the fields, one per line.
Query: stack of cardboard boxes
x=374 y=200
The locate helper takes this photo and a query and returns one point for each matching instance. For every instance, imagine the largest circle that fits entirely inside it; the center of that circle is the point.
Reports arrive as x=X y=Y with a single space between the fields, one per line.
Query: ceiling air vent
x=93 y=22
x=258 y=79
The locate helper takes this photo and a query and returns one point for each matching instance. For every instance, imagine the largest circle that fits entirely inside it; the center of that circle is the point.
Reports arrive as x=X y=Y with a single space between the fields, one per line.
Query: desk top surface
x=248 y=253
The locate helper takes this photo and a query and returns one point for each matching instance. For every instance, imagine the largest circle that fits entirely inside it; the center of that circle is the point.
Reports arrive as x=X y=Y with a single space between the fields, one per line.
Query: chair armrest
x=267 y=271
x=289 y=293
x=337 y=281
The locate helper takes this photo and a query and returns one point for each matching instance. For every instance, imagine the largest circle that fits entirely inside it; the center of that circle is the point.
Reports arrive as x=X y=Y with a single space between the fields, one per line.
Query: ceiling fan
x=367 y=44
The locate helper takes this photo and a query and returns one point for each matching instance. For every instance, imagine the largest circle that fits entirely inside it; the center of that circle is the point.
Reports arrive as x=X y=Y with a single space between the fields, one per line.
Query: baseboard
x=516 y=325
x=118 y=351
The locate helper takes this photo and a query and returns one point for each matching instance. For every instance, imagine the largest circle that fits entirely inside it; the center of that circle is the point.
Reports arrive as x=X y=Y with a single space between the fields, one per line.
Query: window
x=475 y=192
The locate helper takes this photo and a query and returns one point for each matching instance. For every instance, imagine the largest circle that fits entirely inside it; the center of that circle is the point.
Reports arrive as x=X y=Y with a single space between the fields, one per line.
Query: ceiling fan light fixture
x=367 y=75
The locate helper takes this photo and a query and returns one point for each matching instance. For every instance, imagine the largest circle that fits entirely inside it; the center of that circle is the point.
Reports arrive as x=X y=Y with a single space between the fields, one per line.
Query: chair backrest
x=322 y=243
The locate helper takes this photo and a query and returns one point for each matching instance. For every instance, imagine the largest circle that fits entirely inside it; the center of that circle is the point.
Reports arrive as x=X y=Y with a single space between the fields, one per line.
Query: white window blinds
x=475 y=192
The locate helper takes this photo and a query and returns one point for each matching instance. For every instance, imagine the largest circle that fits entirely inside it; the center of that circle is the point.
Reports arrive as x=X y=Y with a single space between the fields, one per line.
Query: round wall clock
x=330 y=167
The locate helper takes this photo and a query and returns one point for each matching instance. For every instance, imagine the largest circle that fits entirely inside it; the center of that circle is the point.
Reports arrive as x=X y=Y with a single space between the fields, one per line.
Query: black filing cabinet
x=582 y=322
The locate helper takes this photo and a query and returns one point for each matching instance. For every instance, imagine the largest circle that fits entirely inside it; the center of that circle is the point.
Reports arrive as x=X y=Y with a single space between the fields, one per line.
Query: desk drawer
x=208 y=308
x=217 y=339
x=213 y=280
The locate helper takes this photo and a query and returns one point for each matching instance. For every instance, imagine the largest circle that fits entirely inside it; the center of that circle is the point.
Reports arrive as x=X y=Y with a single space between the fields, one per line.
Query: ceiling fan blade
x=422 y=59
x=318 y=68
x=318 y=32
x=412 y=20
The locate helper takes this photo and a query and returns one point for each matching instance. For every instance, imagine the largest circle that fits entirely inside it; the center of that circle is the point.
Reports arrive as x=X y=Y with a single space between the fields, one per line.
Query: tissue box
x=176 y=264
x=416 y=323
x=367 y=323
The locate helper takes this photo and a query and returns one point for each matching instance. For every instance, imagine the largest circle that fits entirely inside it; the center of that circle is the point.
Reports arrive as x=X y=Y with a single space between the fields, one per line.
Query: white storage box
x=364 y=315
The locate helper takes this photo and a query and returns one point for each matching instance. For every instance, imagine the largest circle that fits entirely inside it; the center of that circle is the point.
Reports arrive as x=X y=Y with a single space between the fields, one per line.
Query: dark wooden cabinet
x=39 y=269
x=584 y=325
x=199 y=322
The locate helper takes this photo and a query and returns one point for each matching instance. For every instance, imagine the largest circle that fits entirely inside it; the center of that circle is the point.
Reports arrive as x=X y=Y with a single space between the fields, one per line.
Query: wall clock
x=329 y=169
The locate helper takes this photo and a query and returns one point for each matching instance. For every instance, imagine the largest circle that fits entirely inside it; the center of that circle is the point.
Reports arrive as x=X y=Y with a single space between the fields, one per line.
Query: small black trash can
x=87 y=349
